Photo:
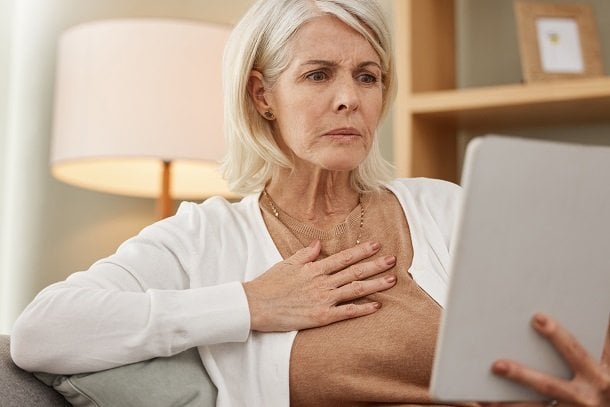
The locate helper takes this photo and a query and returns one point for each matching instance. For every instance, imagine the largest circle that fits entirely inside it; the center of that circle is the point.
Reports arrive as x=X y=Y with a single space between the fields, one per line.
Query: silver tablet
x=533 y=235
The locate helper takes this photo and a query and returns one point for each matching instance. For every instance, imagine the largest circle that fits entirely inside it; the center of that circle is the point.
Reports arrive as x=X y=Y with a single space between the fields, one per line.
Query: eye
x=317 y=76
x=367 y=78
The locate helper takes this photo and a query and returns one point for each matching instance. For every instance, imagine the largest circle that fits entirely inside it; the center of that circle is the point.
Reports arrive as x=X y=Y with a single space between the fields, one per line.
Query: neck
x=321 y=199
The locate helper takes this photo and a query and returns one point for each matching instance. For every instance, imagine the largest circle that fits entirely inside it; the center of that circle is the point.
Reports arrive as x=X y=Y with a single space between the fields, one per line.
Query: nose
x=347 y=97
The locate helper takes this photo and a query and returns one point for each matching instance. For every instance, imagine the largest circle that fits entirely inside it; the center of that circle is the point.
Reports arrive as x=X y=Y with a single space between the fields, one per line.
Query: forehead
x=328 y=38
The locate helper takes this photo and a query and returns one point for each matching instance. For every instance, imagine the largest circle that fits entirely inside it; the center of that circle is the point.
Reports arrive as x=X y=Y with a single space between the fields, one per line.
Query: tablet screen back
x=533 y=235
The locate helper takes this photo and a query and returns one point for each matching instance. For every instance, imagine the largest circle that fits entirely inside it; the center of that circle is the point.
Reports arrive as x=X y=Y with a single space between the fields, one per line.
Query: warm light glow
x=142 y=177
x=133 y=93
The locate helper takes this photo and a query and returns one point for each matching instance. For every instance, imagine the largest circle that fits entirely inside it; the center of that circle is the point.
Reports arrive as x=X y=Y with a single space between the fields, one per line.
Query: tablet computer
x=533 y=235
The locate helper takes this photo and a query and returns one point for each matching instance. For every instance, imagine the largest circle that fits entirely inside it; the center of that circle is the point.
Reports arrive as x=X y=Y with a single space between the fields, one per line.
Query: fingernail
x=500 y=367
x=390 y=279
x=389 y=260
x=375 y=245
x=377 y=305
x=540 y=320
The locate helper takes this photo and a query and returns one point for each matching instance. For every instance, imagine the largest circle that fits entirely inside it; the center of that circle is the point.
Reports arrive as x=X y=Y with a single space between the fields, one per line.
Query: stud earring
x=268 y=115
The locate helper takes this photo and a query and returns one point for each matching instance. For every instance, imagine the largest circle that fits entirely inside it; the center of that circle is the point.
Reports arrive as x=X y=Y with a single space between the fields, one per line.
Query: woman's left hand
x=590 y=385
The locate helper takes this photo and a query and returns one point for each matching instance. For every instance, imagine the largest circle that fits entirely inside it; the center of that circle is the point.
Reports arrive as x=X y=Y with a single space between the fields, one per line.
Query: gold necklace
x=276 y=213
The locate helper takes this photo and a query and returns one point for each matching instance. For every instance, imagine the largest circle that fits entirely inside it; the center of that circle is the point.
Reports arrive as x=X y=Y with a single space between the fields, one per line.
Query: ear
x=256 y=90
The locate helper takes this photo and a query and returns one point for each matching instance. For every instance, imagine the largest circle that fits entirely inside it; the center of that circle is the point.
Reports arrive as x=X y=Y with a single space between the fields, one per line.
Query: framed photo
x=557 y=41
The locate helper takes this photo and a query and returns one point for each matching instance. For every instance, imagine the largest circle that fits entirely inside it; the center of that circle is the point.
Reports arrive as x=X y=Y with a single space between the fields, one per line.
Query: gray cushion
x=19 y=388
x=180 y=380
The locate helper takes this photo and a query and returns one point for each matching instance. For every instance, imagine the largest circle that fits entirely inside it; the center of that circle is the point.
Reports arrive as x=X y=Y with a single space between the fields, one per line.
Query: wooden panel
x=401 y=119
x=424 y=38
x=435 y=149
x=432 y=43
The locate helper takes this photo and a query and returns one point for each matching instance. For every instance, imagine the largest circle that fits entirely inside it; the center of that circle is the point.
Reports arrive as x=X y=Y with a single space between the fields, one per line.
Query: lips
x=344 y=131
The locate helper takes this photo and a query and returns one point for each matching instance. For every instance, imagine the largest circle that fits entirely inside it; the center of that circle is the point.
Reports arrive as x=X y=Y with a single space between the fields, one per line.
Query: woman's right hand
x=303 y=292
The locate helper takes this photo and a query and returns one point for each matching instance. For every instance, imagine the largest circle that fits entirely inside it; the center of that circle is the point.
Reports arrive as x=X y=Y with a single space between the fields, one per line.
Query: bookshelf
x=430 y=110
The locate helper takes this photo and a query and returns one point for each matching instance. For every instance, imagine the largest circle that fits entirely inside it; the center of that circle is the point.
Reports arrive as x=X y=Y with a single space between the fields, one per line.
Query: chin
x=338 y=160
x=342 y=166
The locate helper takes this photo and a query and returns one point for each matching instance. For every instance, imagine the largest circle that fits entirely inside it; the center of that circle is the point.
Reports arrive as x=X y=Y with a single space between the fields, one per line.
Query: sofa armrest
x=20 y=388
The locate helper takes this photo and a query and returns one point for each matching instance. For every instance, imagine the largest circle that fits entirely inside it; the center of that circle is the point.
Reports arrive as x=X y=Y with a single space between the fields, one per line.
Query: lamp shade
x=132 y=94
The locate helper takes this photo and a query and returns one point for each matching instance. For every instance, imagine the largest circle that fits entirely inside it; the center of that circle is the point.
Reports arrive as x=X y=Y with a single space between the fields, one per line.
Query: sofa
x=179 y=380
x=19 y=388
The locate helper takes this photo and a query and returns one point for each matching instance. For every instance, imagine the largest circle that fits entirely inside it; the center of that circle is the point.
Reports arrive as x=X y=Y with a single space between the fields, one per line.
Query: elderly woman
x=324 y=285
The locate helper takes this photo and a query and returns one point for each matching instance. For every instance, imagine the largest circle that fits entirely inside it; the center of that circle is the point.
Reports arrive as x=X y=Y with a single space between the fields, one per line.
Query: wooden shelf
x=430 y=111
x=549 y=103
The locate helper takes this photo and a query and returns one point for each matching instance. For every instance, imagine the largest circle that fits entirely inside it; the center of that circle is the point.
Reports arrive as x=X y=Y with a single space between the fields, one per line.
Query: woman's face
x=328 y=102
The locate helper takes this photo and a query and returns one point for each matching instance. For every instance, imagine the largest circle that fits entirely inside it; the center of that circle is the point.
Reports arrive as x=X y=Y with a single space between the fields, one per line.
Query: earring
x=269 y=115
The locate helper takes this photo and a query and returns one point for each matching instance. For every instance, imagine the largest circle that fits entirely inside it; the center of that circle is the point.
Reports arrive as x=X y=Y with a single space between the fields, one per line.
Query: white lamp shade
x=131 y=94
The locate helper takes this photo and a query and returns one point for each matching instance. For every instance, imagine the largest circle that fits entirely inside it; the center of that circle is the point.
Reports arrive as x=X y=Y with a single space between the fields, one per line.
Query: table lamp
x=139 y=109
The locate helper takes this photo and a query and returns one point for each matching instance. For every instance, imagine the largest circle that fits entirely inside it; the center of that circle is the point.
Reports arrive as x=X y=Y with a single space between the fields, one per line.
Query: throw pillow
x=180 y=380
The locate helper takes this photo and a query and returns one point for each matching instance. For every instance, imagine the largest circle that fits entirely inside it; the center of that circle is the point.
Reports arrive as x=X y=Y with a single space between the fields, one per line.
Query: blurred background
x=49 y=229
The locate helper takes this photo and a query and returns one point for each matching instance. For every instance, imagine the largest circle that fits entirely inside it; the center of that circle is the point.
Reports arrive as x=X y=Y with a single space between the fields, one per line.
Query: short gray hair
x=260 y=41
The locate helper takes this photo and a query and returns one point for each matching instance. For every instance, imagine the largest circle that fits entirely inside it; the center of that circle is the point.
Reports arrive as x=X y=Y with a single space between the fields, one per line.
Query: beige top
x=384 y=357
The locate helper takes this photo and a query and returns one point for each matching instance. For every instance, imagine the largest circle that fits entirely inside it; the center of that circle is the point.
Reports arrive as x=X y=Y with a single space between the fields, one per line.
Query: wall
x=6 y=7
x=487 y=40
x=489 y=55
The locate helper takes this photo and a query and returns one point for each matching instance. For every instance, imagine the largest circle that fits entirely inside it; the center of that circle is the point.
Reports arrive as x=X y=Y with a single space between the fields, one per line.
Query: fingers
x=343 y=260
x=348 y=257
x=540 y=382
x=359 y=289
x=569 y=347
x=362 y=271
x=317 y=292
x=589 y=384
x=342 y=312
x=348 y=311
x=349 y=280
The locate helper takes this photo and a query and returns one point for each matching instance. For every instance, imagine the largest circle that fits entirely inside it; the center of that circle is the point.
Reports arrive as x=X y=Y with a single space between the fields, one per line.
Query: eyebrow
x=332 y=64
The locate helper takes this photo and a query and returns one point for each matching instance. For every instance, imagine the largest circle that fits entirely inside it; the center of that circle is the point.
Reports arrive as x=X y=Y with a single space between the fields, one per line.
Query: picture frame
x=557 y=41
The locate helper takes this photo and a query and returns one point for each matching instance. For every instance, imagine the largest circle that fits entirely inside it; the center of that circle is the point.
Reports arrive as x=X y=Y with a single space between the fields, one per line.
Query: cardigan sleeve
x=132 y=306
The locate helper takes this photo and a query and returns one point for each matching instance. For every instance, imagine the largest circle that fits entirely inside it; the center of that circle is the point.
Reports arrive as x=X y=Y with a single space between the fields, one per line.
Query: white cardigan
x=177 y=285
